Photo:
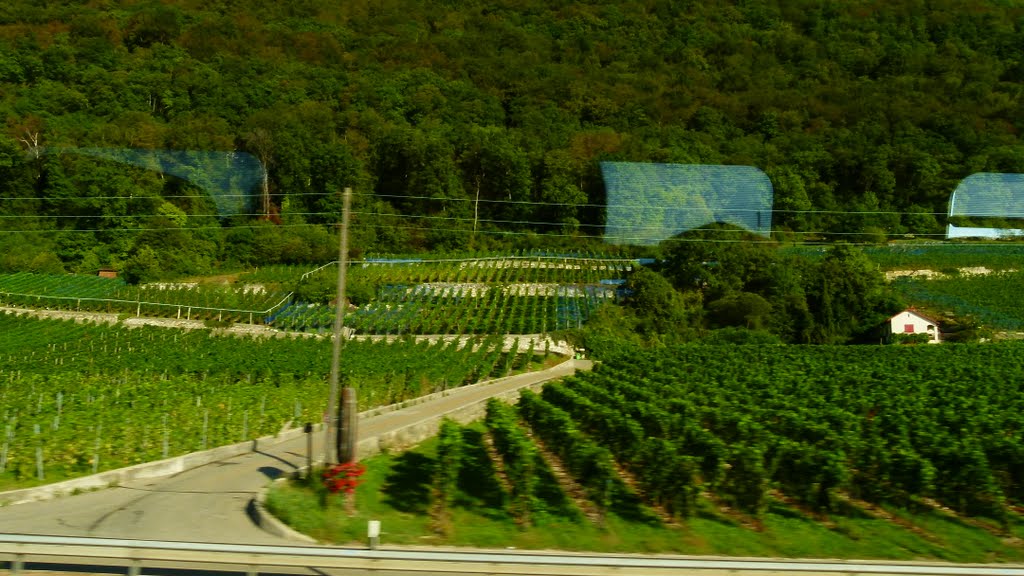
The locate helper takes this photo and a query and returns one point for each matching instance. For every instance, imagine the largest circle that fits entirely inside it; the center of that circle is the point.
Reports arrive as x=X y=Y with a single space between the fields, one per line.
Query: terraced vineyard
x=524 y=294
x=993 y=299
x=76 y=398
x=248 y=303
x=507 y=295
x=936 y=256
x=829 y=429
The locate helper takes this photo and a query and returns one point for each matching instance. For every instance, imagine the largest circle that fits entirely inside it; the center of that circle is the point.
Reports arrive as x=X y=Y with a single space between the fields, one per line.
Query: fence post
x=39 y=455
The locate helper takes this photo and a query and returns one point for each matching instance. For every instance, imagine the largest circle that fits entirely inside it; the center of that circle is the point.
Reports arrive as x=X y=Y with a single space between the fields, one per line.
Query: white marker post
x=373 y=531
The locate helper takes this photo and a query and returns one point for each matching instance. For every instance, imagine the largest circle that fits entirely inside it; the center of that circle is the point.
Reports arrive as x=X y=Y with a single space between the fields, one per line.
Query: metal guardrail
x=252 y=559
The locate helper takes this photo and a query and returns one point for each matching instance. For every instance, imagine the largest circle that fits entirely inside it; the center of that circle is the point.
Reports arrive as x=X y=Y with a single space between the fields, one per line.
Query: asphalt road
x=212 y=503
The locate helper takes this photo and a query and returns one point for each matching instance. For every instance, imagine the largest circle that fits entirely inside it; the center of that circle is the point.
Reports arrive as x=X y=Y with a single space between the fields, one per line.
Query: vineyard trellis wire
x=247 y=303
x=77 y=397
x=512 y=294
x=115 y=304
x=547 y=275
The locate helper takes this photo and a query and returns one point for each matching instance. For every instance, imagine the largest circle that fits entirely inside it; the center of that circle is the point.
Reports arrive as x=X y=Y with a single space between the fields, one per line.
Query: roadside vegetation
x=401 y=491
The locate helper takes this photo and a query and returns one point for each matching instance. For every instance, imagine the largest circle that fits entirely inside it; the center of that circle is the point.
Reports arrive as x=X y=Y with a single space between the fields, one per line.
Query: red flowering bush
x=343 y=477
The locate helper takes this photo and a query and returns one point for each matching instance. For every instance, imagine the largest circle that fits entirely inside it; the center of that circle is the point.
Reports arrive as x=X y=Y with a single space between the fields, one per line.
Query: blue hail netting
x=987 y=195
x=230 y=178
x=649 y=203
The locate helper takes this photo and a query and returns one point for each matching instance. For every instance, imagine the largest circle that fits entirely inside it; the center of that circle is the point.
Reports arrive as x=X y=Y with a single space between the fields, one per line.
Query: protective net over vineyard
x=527 y=294
x=648 y=203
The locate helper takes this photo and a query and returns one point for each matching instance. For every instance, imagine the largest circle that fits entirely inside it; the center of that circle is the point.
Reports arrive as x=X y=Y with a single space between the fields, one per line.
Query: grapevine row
x=75 y=398
x=879 y=424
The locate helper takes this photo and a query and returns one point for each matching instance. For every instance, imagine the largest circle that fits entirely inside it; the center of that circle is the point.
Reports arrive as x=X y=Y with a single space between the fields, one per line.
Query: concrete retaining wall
x=143 y=471
x=399 y=439
x=417 y=432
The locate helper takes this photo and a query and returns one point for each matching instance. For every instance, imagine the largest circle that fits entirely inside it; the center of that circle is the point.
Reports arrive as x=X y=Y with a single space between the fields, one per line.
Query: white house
x=911 y=322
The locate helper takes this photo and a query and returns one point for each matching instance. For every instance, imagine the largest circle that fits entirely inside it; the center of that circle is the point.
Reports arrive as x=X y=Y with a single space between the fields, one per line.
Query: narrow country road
x=212 y=503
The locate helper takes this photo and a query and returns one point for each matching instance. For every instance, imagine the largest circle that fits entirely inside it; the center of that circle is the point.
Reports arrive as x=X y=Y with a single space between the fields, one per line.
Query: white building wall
x=907 y=322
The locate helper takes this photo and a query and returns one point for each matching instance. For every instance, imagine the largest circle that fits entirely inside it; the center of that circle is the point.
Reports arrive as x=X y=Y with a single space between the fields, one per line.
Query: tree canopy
x=458 y=121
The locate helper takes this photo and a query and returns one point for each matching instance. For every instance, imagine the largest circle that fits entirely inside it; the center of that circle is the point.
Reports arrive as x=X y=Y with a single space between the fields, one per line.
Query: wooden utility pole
x=339 y=445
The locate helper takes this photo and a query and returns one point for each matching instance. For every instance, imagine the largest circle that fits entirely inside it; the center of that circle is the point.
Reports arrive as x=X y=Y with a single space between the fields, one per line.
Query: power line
x=644 y=206
x=167 y=216
x=633 y=229
x=369 y=226
x=481 y=200
x=512 y=233
x=467 y=220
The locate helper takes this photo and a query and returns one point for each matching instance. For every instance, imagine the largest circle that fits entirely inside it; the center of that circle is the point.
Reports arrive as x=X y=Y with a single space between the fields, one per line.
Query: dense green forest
x=449 y=118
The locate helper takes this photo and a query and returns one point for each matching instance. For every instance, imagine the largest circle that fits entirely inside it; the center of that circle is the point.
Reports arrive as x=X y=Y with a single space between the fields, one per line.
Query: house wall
x=898 y=325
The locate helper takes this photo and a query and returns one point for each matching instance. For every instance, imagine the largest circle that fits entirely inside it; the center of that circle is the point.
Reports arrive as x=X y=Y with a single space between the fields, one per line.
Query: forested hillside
x=447 y=117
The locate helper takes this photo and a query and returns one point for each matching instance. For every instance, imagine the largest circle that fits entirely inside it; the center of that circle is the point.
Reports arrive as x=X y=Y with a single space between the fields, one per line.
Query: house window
x=931 y=328
x=908 y=328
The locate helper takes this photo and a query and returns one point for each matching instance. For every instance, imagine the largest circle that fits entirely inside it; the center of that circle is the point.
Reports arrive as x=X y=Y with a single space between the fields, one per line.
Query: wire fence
x=162 y=309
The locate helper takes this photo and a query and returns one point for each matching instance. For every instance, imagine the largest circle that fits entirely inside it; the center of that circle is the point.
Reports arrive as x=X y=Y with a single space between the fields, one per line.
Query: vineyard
x=992 y=299
x=502 y=295
x=192 y=301
x=934 y=256
x=457 y=309
x=78 y=398
x=518 y=294
x=832 y=430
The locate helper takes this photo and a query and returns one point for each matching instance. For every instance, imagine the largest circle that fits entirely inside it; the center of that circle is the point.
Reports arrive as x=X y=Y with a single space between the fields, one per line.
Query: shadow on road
x=271 y=472
x=278 y=458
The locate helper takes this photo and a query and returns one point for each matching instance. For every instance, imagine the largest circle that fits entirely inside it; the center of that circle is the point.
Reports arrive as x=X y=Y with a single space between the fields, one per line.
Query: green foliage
x=742 y=309
x=939 y=256
x=667 y=477
x=718 y=268
x=992 y=300
x=609 y=332
x=510 y=294
x=449 y=460
x=394 y=493
x=746 y=481
x=921 y=338
x=519 y=457
x=847 y=297
x=191 y=301
x=591 y=464
x=753 y=284
x=322 y=288
x=146 y=393
x=142 y=266
x=891 y=425
x=727 y=336
x=471 y=123
x=658 y=306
